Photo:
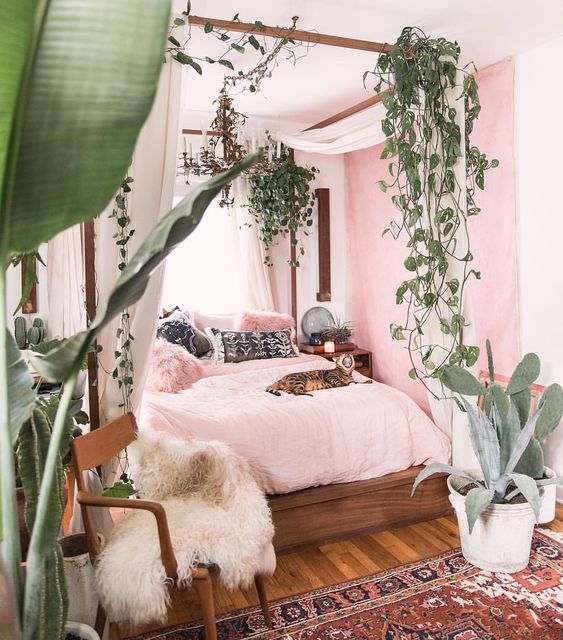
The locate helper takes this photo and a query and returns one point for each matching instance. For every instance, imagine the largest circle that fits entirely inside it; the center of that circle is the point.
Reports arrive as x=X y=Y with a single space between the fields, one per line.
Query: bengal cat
x=300 y=384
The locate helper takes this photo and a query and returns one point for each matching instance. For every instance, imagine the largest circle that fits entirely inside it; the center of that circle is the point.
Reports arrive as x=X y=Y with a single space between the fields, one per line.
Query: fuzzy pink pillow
x=172 y=368
x=263 y=321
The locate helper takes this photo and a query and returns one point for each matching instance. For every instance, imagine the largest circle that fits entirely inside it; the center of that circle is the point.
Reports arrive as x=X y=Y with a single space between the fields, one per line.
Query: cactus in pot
x=38 y=322
x=20 y=332
x=501 y=436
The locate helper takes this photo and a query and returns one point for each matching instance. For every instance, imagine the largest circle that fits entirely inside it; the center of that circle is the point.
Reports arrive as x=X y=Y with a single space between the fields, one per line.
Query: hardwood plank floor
x=325 y=565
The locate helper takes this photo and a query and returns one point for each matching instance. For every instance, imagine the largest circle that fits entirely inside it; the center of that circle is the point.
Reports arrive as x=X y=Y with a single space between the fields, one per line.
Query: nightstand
x=361 y=356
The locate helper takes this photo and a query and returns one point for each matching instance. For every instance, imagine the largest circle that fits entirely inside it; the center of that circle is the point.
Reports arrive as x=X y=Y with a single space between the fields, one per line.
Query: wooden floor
x=325 y=565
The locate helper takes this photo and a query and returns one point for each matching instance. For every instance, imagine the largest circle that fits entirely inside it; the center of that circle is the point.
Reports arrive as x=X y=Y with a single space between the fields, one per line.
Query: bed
x=338 y=463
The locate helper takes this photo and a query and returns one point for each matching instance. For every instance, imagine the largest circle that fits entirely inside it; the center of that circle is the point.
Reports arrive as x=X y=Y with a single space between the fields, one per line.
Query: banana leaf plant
x=77 y=81
x=505 y=438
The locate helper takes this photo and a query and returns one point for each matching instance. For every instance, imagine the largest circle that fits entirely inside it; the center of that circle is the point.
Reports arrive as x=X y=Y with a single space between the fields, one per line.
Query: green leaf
x=528 y=488
x=226 y=63
x=521 y=443
x=237 y=47
x=252 y=40
x=20 y=389
x=410 y=264
x=461 y=381
x=173 y=40
x=476 y=501
x=259 y=25
x=66 y=133
x=382 y=185
x=485 y=443
x=119 y=490
x=208 y=27
x=170 y=231
x=551 y=405
x=438 y=467
x=525 y=374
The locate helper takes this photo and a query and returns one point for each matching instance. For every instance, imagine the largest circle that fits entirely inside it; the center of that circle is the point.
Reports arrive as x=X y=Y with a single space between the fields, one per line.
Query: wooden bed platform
x=334 y=512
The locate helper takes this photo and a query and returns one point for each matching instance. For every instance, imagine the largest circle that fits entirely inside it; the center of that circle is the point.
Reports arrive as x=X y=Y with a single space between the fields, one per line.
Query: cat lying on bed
x=299 y=384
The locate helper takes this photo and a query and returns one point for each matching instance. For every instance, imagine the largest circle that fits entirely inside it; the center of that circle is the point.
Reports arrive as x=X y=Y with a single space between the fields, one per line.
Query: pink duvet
x=338 y=435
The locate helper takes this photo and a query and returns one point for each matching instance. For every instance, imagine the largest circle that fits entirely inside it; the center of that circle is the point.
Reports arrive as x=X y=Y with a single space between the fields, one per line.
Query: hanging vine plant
x=420 y=88
x=281 y=201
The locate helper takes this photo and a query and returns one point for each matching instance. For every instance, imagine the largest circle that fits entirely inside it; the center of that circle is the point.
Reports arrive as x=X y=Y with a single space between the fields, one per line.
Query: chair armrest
x=166 y=550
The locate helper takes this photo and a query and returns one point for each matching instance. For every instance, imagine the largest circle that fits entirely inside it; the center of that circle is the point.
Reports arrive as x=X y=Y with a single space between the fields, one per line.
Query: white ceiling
x=329 y=79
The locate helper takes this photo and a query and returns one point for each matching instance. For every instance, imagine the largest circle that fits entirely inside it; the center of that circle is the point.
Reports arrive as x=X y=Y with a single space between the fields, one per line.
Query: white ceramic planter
x=80 y=582
x=81 y=630
x=547 y=509
x=502 y=536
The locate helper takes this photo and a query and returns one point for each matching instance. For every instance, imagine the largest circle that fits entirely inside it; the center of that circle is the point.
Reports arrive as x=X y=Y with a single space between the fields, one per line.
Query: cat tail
x=273 y=391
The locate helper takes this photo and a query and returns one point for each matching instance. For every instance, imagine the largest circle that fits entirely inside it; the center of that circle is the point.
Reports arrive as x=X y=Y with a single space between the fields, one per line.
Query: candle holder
x=329 y=346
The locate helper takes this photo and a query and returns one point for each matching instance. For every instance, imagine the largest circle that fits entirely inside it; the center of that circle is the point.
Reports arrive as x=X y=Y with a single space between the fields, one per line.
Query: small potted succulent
x=496 y=508
x=340 y=333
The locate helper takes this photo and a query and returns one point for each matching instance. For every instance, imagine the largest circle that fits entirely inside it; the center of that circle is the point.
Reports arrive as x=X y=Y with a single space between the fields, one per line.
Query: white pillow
x=222 y=321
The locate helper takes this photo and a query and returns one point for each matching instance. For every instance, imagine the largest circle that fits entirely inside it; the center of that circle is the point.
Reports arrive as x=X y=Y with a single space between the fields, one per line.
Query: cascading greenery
x=48 y=184
x=419 y=84
x=505 y=438
x=281 y=202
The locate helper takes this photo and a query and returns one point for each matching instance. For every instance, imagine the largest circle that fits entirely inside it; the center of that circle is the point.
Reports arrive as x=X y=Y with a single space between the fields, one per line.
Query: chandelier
x=222 y=151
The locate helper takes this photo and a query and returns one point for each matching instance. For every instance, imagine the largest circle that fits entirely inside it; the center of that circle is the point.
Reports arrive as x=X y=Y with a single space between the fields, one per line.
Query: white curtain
x=153 y=169
x=65 y=284
x=255 y=276
x=358 y=131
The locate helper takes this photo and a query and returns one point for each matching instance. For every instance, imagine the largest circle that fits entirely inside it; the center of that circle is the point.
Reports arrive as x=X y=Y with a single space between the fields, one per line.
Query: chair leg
x=263 y=597
x=204 y=590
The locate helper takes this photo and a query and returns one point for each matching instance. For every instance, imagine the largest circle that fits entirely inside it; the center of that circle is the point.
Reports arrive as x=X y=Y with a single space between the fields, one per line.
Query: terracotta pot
x=502 y=536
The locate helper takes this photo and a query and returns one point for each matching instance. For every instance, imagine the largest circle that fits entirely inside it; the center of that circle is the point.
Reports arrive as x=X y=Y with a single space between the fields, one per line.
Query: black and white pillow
x=177 y=329
x=239 y=346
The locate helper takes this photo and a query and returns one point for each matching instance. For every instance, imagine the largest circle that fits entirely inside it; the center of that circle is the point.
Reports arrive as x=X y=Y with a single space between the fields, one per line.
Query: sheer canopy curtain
x=153 y=169
x=65 y=284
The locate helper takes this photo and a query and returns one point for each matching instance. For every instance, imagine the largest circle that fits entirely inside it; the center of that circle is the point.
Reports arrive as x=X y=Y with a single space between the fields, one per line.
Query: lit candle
x=329 y=346
x=269 y=153
x=278 y=148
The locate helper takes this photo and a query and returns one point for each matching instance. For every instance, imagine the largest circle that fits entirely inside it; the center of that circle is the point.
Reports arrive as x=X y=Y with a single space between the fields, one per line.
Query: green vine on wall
x=423 y=143
x=281 y=201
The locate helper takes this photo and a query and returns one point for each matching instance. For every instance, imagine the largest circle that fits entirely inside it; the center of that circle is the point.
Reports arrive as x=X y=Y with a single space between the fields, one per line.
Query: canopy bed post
x=90 y=294
x=323 y=213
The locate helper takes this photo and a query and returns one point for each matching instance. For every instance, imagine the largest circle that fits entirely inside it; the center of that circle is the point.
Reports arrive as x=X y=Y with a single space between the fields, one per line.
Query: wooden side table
x=361 y=356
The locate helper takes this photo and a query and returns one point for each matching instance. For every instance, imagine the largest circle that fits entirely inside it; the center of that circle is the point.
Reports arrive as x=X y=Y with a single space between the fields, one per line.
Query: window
x=204 y=271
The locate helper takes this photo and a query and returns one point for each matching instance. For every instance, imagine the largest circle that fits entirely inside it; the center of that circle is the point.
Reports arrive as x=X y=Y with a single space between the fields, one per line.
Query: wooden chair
x=94 y=449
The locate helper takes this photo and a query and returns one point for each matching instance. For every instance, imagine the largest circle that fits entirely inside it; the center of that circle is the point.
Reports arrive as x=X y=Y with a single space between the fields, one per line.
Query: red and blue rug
x=441 y=598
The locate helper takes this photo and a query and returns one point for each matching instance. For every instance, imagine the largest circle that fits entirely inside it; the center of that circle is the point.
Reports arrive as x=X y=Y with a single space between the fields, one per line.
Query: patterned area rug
x=441 y=598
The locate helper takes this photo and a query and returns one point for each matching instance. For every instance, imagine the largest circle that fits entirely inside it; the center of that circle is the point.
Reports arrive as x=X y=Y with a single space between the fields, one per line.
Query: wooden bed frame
x=334 y=512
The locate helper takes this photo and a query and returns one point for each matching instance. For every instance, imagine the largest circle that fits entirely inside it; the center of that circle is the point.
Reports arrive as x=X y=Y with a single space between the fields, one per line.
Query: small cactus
x=38 y=322
x=20 y=333
x=34 y=335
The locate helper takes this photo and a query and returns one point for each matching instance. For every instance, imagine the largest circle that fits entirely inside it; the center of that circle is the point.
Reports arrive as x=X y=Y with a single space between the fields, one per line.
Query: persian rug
x=440 y=598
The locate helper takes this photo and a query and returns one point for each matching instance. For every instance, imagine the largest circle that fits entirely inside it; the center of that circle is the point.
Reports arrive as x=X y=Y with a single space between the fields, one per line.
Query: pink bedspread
x=338 y=435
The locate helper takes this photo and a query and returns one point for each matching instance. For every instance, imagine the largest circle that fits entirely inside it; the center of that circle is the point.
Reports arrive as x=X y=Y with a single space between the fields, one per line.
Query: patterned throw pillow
x=239 y=346
x=177 y=329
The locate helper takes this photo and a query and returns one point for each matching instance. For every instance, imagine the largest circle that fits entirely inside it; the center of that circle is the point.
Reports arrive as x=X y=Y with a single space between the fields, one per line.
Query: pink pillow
x=263 y=321
x=172 y=368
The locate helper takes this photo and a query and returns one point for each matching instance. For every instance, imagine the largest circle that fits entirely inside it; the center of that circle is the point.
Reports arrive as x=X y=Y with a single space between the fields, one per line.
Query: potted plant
x=496 y=508
x=340 y=333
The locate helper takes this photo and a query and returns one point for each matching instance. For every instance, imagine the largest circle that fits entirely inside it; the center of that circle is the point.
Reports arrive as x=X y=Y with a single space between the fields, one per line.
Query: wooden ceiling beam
x=350 y=111
x=297 y=35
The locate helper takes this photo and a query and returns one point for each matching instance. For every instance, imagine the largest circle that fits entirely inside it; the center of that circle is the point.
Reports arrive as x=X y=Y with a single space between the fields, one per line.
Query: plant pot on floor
x=502 y=536
x=547 y=509
x=74 y=630
x=80 y=581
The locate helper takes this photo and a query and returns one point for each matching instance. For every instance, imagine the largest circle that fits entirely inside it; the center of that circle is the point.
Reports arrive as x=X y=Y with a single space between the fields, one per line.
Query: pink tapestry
x=375 y=263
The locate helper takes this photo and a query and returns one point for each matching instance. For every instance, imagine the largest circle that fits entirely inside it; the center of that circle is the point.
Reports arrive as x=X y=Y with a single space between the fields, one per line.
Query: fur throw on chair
x=216 y=515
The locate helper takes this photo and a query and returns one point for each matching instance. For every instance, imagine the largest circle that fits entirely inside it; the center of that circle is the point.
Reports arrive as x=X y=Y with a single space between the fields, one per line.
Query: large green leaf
x=438 y=467
x=525 y=374
x=522 y=442
x=461 y=381
x=165 y=237
x=485 y=443
x=82 y=93
x=20 y=388
x=476 y=501
x=528 y=488
x=551 y=405
x=510 y=432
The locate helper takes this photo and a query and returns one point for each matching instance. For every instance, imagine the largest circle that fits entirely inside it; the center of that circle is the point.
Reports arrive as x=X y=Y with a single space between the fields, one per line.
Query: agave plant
x=505 y=438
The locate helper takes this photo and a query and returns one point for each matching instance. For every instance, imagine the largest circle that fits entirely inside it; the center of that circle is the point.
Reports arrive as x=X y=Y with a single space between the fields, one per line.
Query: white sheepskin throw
x=216 y=514
x=172 y=368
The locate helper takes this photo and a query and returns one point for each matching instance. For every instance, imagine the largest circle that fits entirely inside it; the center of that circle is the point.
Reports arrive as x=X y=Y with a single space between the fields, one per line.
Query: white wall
x=331 y=176
x=539 y=170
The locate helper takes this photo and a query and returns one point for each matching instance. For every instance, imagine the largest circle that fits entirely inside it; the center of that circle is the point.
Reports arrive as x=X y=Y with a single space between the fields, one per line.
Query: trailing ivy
x=418 y=84
x=281 y=201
